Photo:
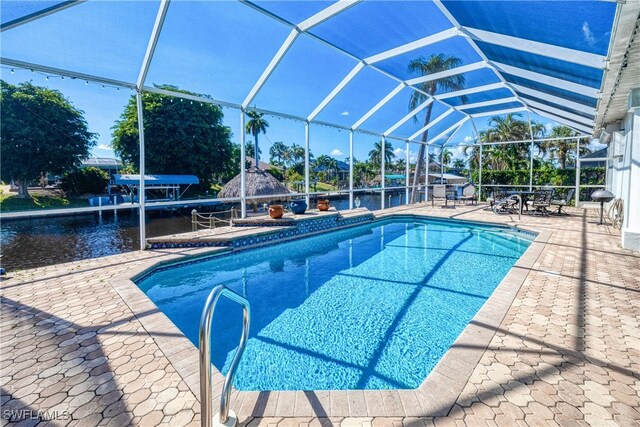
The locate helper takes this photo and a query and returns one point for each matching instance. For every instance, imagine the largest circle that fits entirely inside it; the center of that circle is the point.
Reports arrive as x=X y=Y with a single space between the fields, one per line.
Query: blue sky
x=220 y=48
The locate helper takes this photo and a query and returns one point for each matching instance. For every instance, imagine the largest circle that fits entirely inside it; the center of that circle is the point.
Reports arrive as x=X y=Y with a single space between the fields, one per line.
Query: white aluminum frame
x=537 y=48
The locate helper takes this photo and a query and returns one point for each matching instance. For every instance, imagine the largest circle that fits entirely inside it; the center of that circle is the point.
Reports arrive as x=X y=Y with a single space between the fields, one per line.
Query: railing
x=210 y=221
x=226 y=417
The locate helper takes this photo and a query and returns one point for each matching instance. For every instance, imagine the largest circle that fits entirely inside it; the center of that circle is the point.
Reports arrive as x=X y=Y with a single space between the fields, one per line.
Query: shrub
x=90 y=180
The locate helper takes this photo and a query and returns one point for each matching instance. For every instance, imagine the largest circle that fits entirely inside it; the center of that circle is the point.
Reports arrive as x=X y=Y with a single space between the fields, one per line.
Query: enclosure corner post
x=351 y=169
x=141 y=190
x=306 y=162
x=243 y=173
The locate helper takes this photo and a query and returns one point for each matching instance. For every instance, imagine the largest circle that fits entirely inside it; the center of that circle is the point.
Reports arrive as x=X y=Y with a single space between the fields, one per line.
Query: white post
x=243 y=173
x=141 y=190
x=480 y=172
x=407 y=171
x=426 y=175
x=577 y=196
x=306 y=162
x=531 y=154
x=351 y=169
x=383 y=166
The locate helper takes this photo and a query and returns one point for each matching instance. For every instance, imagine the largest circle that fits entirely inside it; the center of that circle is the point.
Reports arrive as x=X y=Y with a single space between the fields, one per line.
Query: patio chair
x=439 y=192
x=496 y=195
x=507 y=204
x=560 y=203
x=540 y=202
x=468 y=193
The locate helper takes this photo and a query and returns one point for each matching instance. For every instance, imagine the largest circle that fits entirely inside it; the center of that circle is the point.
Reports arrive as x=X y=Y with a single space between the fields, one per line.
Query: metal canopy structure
x=547 y=58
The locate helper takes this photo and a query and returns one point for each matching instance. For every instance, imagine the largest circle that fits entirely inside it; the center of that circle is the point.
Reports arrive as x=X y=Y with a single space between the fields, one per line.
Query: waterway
x=41 y=241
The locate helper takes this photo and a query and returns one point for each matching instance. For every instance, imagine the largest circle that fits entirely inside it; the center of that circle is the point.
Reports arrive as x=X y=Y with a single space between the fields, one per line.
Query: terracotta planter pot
x=276 y=211
x=323 y=205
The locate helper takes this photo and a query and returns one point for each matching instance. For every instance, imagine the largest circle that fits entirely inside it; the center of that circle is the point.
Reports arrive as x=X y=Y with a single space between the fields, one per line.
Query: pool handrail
x=205 y=355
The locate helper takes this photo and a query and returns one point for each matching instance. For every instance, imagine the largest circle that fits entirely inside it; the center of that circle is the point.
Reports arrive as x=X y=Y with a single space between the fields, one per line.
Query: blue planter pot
x=298 y=206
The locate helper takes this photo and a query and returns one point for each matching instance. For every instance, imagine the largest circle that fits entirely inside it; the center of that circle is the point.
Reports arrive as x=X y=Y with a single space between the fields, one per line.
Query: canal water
x=36 y=242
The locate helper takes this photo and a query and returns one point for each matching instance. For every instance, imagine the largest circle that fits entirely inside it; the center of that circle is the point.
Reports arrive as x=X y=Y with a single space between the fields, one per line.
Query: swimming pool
x=371 y=307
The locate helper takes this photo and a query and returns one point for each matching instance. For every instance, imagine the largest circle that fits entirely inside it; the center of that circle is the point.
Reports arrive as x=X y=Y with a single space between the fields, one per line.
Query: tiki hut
x=258 y=183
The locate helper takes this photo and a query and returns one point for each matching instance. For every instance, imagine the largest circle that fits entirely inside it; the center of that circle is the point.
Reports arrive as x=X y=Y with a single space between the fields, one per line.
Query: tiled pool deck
x=557 y=344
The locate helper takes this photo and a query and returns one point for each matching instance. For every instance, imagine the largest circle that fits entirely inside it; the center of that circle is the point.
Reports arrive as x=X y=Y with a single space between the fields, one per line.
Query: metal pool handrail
x=205 y=354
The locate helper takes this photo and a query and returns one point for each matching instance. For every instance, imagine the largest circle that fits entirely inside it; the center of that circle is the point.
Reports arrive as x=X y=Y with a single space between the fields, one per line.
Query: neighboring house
x=600 y=154
x=342 y=170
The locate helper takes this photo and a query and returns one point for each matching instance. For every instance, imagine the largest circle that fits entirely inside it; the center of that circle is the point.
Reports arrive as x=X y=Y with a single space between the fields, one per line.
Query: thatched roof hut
x=258 y=183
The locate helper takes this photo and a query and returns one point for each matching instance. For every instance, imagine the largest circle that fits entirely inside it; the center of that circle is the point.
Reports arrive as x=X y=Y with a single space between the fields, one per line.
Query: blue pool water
x=372 y=307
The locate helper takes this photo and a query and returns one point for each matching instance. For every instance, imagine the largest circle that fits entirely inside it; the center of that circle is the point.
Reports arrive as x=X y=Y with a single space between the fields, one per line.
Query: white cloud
x=336 y=152
x=344 y=113
x=400 y=154
x=588 y=35
x=468 y=139
x=548 y=127
x=104 y=147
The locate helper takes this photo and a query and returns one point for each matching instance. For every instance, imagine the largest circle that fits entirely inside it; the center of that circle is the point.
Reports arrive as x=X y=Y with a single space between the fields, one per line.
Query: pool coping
x=434 y=397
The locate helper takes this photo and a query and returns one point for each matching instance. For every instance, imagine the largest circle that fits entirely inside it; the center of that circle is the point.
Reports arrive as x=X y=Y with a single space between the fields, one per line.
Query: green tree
x=445 y=156
x=375 y=155
x=89 y=180
x=327 y=163
x=280 y=155
x=459 y=164
x=181 y=137
x=562 y=150
x=424 y=67
x=255 y=126
x=41 y=132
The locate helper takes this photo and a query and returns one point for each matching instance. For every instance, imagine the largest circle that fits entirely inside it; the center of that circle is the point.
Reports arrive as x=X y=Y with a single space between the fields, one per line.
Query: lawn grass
x=323 y=186
x=12 y=203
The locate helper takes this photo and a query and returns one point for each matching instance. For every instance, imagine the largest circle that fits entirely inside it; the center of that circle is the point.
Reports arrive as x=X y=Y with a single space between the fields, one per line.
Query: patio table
x=524 y=195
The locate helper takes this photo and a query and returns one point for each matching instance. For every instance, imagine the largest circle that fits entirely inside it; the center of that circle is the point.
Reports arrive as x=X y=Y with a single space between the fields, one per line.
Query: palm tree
x=423 y=67
x=445 y=156
x=561 y=150
x=400 y=165
x=326 y=162
x=278 y=153
x=255 y=126
x=458 y=164
x=375 y=156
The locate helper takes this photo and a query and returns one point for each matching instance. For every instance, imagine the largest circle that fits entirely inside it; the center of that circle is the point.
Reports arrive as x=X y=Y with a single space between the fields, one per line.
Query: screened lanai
x=336 y=74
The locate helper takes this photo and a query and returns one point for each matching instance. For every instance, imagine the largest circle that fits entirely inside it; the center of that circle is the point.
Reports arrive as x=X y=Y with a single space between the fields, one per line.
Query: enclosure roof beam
x=488 y=103
x=412 y=113
x=336 y=90
x=548 y=80
x=417 y=44
x=564 y=121
x=39 y=14
x=378 y=106
x=469 y=91
x=537 y=48
x=153 y=42
x=449 y=129
x=329 y=12
x=432 y=123
x=62 y=72
x=447 y=73
x=306 y=25
x=473 y=44
x=284 y=48
x=561 y=113
x=499 y=112
x=555 y=99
